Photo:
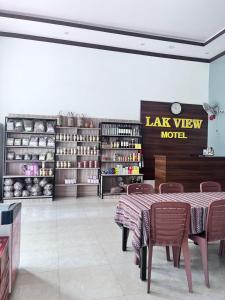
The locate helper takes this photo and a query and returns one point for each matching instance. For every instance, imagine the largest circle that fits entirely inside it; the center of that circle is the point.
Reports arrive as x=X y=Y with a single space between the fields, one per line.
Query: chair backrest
x=171 y=187
x=140 y=188
x=215 y=225
x=169 y=223
x=210 y=186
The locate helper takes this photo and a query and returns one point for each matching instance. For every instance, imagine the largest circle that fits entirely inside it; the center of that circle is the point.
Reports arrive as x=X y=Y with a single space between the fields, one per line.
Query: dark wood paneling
x=153 y=144
x=190 y=171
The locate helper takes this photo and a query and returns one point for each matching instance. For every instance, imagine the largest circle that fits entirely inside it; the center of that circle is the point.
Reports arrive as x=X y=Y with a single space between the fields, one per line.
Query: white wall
x=44 y=78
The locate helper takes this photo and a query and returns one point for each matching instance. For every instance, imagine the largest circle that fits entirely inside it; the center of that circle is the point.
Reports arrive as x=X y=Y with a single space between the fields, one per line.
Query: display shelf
x=76 y=184
x=121 y=136
x=95 y=142
x=30 y=147
x=77 y=155
x=28 y=117
x=28 y=197
x=120 y=149
x=88 y=168
x=88 y=184
x=77 y=137
x=66 y=127
x=30 y=132
x=25 y=176
x=65 y=169
x=120 y=162
x=115 y=137
x=11 y=166
x=64 y=184
x=86 y=128
x=57 y=141
x=65 y=154
x=77 y=168
x=85 y=155
x=116 y=175
x=78 y=128
x=28 y=161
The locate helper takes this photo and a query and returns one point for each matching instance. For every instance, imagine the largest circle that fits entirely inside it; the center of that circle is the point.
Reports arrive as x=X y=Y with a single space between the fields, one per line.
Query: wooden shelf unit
x=81 y=174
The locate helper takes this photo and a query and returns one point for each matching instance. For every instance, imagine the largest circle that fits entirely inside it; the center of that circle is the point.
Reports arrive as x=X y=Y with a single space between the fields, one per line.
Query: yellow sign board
x=178 y=123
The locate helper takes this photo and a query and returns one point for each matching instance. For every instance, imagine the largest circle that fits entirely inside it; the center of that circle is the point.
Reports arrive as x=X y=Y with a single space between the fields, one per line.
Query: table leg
x=125 y=233
x=143 y=262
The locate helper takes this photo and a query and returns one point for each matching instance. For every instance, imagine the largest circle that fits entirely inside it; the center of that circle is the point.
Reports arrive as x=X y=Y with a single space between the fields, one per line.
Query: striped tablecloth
x=133 y=212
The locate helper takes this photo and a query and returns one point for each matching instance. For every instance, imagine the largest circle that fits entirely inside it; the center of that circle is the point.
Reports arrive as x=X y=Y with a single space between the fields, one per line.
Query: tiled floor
x=71 y=250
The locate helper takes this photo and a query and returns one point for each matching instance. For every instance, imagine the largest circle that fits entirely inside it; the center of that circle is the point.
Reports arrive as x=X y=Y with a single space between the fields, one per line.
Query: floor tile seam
x=59 y=284
x=117 y=280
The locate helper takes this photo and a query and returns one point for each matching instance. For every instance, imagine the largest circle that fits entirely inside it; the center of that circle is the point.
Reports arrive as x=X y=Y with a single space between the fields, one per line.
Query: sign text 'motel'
x=182 y=123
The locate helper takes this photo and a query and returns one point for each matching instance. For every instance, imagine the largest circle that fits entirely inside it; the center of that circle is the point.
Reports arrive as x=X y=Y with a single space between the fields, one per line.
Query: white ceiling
x=196 y=20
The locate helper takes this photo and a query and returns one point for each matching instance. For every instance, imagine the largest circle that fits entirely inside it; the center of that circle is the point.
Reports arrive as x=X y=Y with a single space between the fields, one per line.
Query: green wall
x=216 y=137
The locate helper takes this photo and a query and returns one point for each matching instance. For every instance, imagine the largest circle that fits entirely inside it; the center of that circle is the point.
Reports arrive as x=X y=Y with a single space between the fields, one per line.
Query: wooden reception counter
x=189 y=170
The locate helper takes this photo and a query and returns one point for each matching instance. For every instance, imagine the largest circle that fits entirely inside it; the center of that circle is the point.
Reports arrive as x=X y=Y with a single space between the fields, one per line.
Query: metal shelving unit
x=13 y=168
x=123 y=140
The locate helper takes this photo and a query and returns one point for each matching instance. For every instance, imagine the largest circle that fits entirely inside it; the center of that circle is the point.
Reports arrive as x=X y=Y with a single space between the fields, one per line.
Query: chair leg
x=222 y=248
x=204 y=255
x=150 y=251
x=187 y=264
x=176 y=256
x=168 y=253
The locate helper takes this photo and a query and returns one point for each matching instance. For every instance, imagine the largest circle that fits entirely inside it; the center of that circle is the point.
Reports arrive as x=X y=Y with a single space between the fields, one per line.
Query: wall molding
x=19 y=16
x=33 y=18
x=100 y=47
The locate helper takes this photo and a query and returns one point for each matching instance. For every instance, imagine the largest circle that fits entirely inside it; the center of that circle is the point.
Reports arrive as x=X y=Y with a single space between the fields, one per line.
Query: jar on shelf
x=90 y=164
x=80 y=164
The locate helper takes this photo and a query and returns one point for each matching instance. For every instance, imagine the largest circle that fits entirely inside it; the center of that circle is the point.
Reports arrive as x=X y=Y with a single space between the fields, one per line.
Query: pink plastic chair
x=169 y=227
x=140 y=188
x=210 y=186
x=215 y=230
x=171 y=187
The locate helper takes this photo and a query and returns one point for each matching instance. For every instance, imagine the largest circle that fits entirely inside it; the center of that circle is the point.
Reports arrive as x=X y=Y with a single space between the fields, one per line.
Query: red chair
x=171 y=187
x=215 y=230
x=210 y=186
x=169 y=227
x=140 y=188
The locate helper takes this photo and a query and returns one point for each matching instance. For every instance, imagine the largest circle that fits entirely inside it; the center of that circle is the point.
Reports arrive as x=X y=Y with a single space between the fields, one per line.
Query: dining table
x=133 y=215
